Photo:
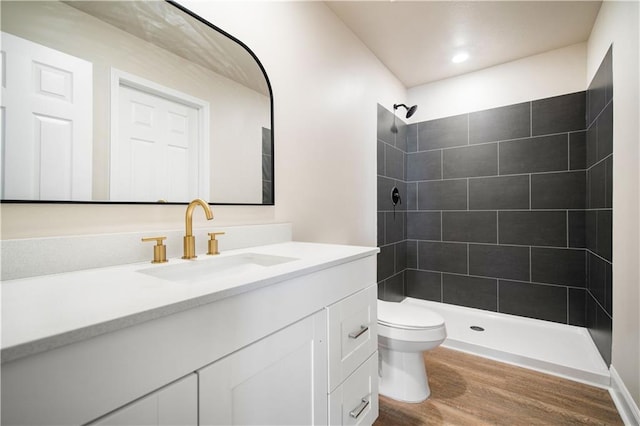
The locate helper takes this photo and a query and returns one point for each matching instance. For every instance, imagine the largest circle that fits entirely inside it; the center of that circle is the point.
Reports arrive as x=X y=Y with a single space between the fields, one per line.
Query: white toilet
x=405 y=331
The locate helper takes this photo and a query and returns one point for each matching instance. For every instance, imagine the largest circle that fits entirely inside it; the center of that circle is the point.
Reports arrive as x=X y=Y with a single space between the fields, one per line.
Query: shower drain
x=476 y=328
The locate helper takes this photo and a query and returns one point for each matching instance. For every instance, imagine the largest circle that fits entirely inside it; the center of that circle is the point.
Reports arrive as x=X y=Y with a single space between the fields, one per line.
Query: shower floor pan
x=559 y=349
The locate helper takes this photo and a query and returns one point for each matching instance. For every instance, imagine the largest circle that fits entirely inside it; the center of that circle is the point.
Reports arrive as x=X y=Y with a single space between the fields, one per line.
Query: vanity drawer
x=356 y=401
x=353 y=333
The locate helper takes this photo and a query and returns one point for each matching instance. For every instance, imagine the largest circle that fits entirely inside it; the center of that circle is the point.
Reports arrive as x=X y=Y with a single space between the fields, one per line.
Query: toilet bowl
x=404 y=332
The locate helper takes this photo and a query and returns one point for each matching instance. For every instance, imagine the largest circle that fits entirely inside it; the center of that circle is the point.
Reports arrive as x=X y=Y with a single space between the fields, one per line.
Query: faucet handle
x=159 y=250
x=213 y=243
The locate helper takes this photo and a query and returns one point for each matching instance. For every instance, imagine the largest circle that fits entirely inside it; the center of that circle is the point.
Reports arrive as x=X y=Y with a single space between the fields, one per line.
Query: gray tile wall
x=392 y=222
x=497 y=216
x=507 y=209
x=598 y=216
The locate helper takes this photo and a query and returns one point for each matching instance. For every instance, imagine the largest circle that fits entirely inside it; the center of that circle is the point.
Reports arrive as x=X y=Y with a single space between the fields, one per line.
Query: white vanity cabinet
x=353 y=333
x=296 y=348
x=279 y=380
x=175 y=404
x=320 y=370
x=353 y=359
x=355 y=402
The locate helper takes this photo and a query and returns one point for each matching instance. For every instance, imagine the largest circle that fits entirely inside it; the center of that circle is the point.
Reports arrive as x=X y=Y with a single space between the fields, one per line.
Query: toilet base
x=403 y=376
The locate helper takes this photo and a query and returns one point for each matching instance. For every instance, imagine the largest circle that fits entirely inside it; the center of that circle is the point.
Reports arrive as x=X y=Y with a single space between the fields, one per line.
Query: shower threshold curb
x=600 y=380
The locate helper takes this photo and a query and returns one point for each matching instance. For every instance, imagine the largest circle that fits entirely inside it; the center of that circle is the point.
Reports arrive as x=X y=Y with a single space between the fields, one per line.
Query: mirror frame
x=273 y=179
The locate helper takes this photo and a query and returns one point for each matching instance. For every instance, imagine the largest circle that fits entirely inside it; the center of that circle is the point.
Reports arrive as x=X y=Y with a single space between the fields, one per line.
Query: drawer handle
x=355 y=413
x=356 y=334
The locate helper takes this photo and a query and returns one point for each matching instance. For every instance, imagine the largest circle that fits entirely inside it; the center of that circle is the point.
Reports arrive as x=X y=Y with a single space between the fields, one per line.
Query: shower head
x=410 y=110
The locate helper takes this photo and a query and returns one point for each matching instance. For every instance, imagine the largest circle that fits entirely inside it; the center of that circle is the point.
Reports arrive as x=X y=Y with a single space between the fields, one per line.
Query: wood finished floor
x=470 y=390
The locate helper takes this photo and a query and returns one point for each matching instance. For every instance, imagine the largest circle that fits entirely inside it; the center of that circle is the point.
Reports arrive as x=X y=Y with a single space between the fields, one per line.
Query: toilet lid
x=401 y=315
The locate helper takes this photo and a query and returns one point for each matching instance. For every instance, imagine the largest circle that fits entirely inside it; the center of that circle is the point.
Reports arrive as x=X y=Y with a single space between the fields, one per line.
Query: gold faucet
x=189 y=239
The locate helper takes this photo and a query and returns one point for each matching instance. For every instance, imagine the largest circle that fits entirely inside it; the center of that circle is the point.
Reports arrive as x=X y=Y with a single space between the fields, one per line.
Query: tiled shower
x=507 y=209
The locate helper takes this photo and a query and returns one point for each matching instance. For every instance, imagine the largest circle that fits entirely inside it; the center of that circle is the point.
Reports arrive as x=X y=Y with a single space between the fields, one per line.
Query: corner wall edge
x=626 y=406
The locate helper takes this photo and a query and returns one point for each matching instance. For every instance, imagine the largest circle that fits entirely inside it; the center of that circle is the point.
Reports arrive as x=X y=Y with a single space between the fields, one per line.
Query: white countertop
x=46 y=312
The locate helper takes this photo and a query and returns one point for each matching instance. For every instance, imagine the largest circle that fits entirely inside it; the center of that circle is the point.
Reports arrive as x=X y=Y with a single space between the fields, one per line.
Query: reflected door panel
x=157 y=149
x=47 y=123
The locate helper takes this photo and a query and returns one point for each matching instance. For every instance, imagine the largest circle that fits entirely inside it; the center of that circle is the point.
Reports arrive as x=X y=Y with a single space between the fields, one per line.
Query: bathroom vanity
x=276 y=334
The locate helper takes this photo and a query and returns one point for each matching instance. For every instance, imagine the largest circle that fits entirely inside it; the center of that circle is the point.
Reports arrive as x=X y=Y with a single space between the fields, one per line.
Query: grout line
x=468 y=131
x=567 y=228
x=498 y=159
x=587 y=279
x=468 y=270
x=605 y=183
x=405 y=161
x=441 y=227
x=505 y=245
x=441 y=287
x=596 y=243
x=530 y=192
x=500 y=141
x=504 y=210
x=395 y=260
x=598 y=256
x=530 y=266
x=587 y=195
x=497 y=228
x=567 y=305
x=569 y=151
x=598 y=162
x=404 y=283
x=468 y=203
x=384 y=228
x=505 y=175
x=498 y=295
x=531 y=118
x=595 y=299
x=384 y=160
x=599 y=114
x=596 y=137
x=486 y=277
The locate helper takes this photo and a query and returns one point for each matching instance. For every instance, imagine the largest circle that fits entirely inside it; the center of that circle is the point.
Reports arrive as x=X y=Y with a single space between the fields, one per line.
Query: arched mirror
x=130 y=102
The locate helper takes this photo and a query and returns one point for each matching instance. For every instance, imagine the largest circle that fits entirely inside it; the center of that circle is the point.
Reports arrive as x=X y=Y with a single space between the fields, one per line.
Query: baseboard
x=625 y=404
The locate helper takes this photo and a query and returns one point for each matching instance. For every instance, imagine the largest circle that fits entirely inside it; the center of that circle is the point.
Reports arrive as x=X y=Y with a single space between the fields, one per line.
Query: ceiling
x=417 y=39
x=177 y=32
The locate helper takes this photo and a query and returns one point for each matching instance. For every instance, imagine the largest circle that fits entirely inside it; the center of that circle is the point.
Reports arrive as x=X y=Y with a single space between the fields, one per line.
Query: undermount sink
x=215 y=268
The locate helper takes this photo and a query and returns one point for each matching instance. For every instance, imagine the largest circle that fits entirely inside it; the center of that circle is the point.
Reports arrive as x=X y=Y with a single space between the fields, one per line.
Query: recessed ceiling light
x=460 y=57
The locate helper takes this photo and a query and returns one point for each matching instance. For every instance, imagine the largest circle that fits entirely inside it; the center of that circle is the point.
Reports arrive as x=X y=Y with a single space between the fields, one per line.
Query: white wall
x=617 y=24
x=238 y=134
x=326 y=85
x=552 y=73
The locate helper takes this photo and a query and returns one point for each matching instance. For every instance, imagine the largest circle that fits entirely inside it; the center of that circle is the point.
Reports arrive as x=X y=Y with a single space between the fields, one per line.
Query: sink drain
x=476 y=328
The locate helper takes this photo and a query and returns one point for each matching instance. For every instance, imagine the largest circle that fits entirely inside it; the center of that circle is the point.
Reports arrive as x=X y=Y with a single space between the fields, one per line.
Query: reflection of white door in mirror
x=159 y=142
x=47 y=99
